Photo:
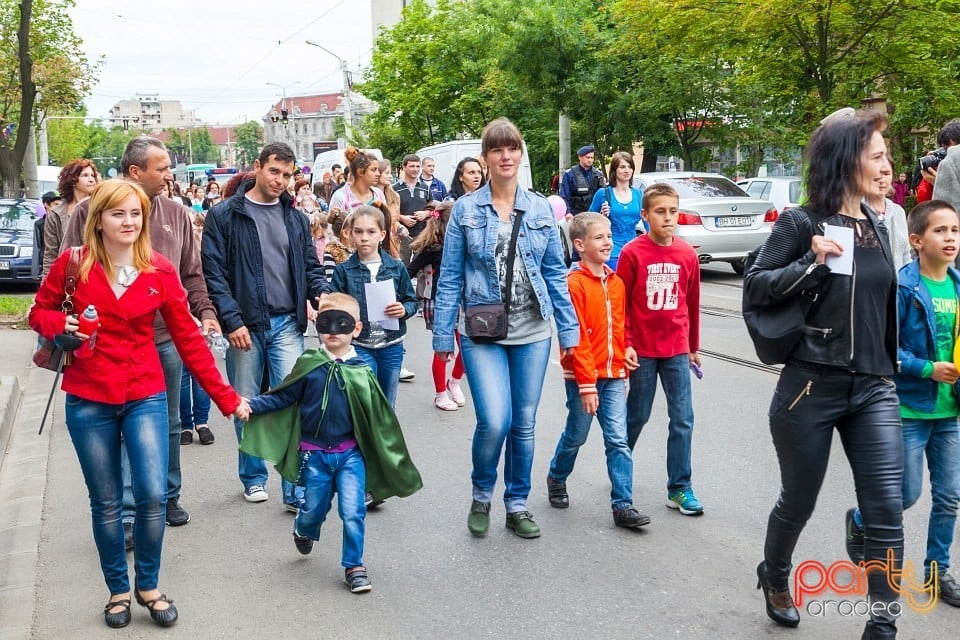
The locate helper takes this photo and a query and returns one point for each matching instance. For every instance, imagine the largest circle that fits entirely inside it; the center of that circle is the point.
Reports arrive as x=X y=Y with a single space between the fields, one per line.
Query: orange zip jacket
x=600 y=303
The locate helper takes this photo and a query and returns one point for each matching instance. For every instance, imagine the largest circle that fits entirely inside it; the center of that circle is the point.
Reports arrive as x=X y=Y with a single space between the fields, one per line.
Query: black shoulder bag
x=490 y=322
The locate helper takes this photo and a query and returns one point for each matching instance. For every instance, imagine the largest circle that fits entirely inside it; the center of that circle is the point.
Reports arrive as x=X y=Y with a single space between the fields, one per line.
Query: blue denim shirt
x=468 y=271
x=918 y=337
x=351 y=276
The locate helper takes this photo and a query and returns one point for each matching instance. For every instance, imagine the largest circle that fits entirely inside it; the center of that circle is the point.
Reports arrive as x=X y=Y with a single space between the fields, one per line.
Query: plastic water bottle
x=217 y=343
x=89 y=323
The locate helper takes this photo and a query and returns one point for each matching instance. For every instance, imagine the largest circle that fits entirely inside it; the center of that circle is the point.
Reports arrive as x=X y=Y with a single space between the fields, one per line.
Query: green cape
x=275 y=436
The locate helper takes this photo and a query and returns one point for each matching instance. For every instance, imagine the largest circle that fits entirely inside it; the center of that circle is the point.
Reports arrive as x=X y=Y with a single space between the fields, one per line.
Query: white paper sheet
x=842 y=264
x=379 y=294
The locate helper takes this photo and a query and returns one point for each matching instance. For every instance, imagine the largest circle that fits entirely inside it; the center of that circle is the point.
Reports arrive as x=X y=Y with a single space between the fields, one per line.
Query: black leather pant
x=810 y=401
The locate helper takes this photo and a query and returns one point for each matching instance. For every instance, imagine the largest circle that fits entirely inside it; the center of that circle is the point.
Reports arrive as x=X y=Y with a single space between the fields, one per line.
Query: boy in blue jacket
x=927 y=299
x=329 y=428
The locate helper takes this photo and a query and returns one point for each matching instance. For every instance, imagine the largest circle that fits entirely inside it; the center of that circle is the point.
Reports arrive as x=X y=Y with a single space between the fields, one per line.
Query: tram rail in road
x=716 y=355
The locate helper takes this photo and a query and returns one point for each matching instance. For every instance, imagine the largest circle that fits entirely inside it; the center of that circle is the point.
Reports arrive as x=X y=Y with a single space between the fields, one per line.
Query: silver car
x=717 y=217
x=785 y=192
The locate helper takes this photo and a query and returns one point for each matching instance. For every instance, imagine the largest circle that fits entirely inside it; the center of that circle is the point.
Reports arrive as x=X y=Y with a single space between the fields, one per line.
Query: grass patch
x=13 y=308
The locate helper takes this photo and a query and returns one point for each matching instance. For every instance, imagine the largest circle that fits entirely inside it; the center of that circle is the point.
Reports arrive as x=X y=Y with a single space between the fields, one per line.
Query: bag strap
x=511 y=257
x=70 y=283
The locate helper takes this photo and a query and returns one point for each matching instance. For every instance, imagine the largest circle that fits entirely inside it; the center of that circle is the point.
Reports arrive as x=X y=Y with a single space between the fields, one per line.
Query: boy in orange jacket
x=595 y=376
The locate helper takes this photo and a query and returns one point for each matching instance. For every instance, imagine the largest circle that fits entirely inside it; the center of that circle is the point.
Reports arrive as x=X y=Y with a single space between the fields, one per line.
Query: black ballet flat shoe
x=118 y=619
x=163 y=617
x=780 y=607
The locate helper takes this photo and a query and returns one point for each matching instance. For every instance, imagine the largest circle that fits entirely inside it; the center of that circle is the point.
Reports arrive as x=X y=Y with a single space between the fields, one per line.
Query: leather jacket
x=786 y=266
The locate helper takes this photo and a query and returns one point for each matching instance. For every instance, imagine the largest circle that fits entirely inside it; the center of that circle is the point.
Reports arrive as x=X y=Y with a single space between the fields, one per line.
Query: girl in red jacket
x=115 y=385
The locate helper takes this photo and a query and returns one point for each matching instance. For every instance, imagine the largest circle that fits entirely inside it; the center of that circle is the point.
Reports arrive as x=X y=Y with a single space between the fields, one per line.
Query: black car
x=17 y=218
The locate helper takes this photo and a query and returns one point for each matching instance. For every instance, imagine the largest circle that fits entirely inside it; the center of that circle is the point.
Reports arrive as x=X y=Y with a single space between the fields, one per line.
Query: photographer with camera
x=928 y=167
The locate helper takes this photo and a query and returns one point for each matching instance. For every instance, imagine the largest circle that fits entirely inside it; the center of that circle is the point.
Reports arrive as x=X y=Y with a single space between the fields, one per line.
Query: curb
x=10 y=395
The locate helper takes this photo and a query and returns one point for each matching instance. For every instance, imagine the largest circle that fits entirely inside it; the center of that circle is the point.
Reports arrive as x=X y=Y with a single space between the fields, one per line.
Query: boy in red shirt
x=662 y=277
x=595 y=374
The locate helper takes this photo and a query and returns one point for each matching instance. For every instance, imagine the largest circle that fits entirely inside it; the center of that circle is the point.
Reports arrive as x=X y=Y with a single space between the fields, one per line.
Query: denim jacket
x=468 y=271
x=918 y=336
x=350 y=276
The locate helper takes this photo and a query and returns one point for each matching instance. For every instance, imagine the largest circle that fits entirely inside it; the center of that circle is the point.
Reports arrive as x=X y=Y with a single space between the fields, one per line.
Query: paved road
x=234 y=572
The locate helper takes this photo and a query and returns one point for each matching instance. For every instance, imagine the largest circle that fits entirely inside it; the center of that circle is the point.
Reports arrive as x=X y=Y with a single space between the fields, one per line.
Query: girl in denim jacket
x=378 y=346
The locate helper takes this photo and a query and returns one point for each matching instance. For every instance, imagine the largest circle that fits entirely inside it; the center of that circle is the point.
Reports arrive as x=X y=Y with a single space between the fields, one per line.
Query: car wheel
x=738 y=266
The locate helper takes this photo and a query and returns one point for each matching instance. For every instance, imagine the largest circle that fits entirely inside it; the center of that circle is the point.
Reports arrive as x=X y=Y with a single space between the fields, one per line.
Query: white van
x=48 y=179
x=325 y=160
x=448 y=154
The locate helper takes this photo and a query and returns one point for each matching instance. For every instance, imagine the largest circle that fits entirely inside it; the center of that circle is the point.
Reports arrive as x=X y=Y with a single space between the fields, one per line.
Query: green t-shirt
x=944 y=297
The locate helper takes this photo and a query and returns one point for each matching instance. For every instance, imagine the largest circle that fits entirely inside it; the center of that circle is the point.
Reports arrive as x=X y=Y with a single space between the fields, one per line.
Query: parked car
x=717 y=217
x=16 y=239
x=784 y=191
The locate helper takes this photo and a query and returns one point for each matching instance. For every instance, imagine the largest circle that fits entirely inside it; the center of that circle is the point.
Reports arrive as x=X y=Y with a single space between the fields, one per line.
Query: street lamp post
x=284 y=112
x=347 y=105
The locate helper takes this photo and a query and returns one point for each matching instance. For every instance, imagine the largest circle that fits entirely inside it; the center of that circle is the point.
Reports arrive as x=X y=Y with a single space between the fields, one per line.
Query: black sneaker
x=630 y=518
x=128 y=536
x=357 y=580
x=303 y=543
x=186 y=437
x=854 y=541
x=948 y=589
x=204 y=434
x=177 y=516
x=370 y=502
x=557 y=493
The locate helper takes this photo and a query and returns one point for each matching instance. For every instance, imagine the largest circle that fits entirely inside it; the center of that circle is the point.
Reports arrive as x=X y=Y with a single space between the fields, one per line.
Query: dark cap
x=585 y=149
x=49 y=197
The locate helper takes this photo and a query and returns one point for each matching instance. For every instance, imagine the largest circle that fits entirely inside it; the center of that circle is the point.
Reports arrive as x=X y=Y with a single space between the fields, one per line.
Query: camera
x=932 y=160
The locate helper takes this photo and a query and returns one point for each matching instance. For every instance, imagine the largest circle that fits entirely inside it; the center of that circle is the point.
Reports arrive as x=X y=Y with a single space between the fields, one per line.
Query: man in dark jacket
x=261 y=269
x=579 y=183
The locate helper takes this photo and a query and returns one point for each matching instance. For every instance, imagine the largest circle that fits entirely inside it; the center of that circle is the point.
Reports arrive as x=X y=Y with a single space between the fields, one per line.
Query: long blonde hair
x=107 y=195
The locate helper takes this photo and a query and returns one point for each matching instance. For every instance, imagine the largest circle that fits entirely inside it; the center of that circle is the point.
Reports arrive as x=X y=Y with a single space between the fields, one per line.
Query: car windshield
x=17 y=216
x=706 y=187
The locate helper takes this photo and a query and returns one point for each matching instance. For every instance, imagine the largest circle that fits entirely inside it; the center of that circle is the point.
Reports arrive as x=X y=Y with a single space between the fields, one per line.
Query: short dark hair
x=950 y=133
x=335 y=166
x=579 y=227
x=280 y=151
x=657 y=190
x=136 y=153
x=410 y=157
x=919 y=217
x=834 y=158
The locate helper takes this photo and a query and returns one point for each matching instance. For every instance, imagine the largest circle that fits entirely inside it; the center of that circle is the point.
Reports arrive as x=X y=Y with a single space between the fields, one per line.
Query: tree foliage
x=45 y=73
x=249 y=142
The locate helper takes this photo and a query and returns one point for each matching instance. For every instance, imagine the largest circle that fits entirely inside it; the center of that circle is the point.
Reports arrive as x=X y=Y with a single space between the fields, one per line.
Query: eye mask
x=336 y=322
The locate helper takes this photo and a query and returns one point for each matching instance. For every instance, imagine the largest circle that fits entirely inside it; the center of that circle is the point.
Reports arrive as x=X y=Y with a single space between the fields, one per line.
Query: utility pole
x=345 y=73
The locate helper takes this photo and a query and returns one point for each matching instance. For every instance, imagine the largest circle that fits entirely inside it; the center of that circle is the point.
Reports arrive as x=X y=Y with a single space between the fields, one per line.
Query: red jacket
x=663 y=293
x=600 y=304
x=124 y=365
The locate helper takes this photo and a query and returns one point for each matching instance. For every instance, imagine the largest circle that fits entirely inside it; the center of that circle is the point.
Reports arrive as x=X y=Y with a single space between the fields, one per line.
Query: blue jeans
x=612 y=415
x=940 y=440
x=96 y=430
x=386 y=364
x=505 y=384
x=674 y=373
x=281 y=345
x=172 y=366
x=194 y=402
x=321 y=474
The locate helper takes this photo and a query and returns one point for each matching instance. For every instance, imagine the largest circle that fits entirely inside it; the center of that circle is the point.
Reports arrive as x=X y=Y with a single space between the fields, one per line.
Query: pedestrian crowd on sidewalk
x=246 y=267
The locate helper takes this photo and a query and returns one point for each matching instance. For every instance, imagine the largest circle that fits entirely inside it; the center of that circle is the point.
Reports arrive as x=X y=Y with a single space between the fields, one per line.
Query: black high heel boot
x=780 y=606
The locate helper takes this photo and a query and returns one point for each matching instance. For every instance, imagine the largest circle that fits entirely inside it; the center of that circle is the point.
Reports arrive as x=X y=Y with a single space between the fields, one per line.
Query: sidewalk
x=23 y=471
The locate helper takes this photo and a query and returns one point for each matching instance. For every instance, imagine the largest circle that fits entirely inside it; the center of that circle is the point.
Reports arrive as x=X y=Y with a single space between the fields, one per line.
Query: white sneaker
x=456 y=394
x=255 y=493
x=444 y=402
x=406 y=375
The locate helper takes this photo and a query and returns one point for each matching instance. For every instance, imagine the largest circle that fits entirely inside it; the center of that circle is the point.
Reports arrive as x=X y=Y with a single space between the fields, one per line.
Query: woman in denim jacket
x=506 y=376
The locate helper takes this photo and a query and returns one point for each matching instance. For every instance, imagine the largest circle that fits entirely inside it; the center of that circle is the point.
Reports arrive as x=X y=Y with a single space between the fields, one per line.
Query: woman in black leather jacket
x=839 y=375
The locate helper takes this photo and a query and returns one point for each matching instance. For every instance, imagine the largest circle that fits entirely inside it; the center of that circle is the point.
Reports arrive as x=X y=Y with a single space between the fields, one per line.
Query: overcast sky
x=217 y=56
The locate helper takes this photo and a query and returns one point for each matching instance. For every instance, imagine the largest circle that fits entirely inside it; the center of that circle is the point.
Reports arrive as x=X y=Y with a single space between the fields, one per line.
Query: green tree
x=249 y=142
x=42 y=69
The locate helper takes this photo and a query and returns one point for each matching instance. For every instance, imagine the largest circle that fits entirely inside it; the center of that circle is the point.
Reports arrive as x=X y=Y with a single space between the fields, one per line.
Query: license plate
x=4 y=265
x=735 y=221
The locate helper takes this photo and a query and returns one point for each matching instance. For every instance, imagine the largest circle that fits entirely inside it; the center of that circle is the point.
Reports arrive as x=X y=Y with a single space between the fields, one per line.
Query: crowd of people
x=359 y=255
